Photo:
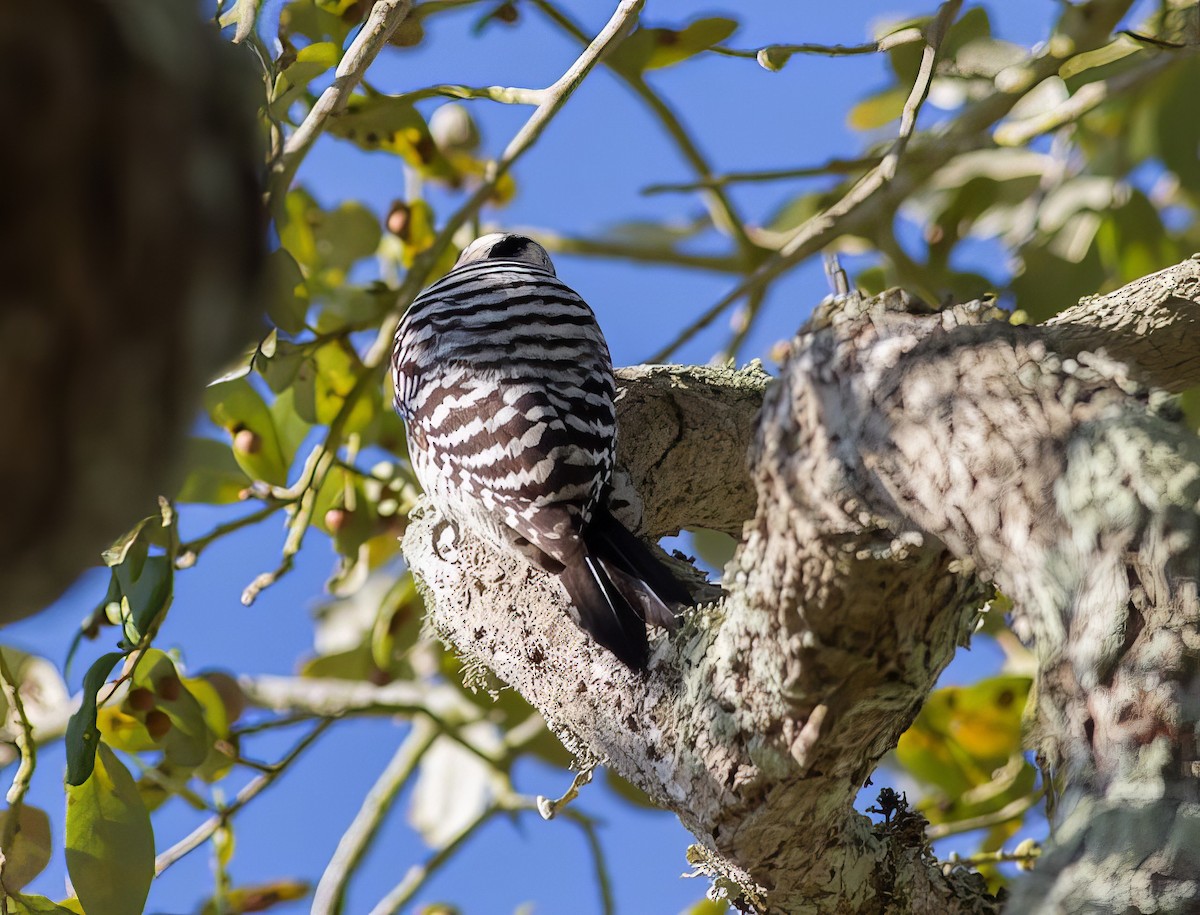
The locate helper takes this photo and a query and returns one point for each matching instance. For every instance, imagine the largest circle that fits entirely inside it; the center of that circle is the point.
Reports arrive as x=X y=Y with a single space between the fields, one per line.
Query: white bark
x=903 y=461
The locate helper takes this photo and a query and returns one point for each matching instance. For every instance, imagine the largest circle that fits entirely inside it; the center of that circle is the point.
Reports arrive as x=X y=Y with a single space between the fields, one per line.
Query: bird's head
x=507 y=247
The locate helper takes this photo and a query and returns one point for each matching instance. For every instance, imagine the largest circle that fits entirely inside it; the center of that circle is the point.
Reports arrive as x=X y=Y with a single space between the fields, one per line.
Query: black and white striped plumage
x=505 y=383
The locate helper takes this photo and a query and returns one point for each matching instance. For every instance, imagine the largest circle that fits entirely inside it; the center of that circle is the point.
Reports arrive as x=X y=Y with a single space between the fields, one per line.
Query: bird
x=505 y=384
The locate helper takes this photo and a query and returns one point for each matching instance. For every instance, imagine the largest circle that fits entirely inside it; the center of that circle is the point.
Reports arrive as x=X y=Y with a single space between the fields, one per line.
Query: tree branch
x=385 y=17
x=875 y=197
x=861 y=570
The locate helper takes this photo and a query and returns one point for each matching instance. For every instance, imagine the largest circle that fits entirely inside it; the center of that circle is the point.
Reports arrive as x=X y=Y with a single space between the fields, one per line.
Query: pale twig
x=190 y=551
x=768 y=52
x=417 y=875
x=255 y=787
x=832 y=167
x=549 y=808
x=245 y=13
x=996 y=857
x=28 y=750
x=920 y=90
x=817 y=231
x=505 y=95
x=356 y=840
x=720 y=206
x=553 y=100
x=385 y=16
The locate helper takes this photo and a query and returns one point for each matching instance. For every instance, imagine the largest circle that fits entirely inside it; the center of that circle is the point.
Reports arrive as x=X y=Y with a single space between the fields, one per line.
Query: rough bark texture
x=132 y=241
x=903 y=462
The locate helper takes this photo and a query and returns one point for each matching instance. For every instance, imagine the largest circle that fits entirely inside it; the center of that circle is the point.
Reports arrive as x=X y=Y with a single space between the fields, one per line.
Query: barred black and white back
x=505 y=383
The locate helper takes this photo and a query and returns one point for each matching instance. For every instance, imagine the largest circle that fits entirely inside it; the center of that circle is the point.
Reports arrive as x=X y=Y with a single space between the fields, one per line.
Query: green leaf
x=963 y=734
x=287 y=296
x=130 y=547
x=304 y=17
x=212 y=475
x=148 y=595
x=878 y=110
x=391 y=123
x=1178 y=130
x=36 y=905
x=82 y=734
x=652 y=48
x=187 y=741
x=346 y=235
x=30 y=851
x=310 y=62
x=236 y=406
x=714 y=547
x=110 y=843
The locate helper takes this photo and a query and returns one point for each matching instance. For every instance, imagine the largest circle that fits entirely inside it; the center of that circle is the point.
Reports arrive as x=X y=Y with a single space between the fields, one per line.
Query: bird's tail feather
x=605 y=613
x=617 y=586
x=632 y=566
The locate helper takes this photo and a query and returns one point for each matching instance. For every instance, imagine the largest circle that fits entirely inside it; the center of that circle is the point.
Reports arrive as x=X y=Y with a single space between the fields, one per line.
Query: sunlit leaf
x=186 y=740
x=393 y=124
x=110 y=843
x=651 y=48
x=964 y=733
x=37 y=905
x=259 y=898
x=309 y=63
x=239 y=409
x=877 y=110
x=707 y=907
x=212 y=475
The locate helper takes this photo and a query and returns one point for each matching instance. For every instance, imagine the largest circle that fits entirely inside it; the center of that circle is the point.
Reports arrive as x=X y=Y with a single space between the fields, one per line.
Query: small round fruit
x=157 y=724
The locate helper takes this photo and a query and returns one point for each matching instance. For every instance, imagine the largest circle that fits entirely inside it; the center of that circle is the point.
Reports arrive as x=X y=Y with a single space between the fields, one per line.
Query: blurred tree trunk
x=131 y=241
x=905 y=464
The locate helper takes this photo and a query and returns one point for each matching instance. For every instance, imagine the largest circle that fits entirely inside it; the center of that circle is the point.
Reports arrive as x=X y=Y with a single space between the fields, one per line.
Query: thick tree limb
x=904 y=460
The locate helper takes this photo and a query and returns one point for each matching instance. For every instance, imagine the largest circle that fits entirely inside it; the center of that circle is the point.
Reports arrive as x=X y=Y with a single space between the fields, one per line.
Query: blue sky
x=585 y=174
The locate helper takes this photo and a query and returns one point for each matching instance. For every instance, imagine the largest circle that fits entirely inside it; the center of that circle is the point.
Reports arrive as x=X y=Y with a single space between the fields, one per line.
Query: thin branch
x=607 y=904
x=549 y=808
x=385 y=16
x=769 y=56
x=28 y=750
x=636 y=251
x=190 y=551
x=255 y=787
x=720 y=206
x=832 y=167
x=555 y=97
x=505 y=95
x=356 y=840
x=418 y=874
x=997 y=857
x=920 y=90
x=817 y=231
